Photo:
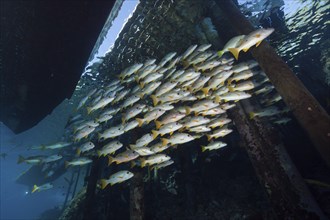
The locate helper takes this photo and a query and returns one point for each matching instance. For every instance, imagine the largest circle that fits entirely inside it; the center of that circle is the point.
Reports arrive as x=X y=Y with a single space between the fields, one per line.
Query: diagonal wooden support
x=309 y=113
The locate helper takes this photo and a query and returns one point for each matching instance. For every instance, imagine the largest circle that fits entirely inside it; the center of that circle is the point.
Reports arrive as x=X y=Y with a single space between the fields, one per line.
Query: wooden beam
x=309 y=113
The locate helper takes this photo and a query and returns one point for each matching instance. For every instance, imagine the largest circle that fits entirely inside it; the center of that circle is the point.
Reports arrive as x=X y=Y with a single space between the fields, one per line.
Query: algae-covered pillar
x=136 y=204
x=309 y=113
x=287 y=192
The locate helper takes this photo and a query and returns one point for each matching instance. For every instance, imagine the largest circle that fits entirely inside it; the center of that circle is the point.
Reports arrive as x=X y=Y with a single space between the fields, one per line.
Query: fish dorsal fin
x=258 y=35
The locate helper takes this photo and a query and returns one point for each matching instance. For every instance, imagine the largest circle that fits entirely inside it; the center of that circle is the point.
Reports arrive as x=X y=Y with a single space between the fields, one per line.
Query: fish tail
x=35 y=188
x=140 y=121
x=110 y=160
x=252 y=115
x=154 y=134
x=231 y=89
x=220 y=53
x=78 y=152
x=89 y=110
x=235 y=52
x=20 y=159
x=104 y=183
x=217 y=99
x=133 y=164
x=203 y=148
x=141 y=84
x=123 y=120
x=209 y=137
x=164 y=141
x=158 y=124
x=154 y=100
x=205 y=90
x=99 y=153
x=143 y=162
x=99 y=136
x=188 y=110
x=190 y=89
x=66 y=164
x=185 y=64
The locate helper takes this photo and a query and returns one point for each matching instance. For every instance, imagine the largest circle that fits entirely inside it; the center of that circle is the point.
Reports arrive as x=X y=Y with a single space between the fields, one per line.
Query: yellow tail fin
x=104 y=183
x=252 y=115
x=164 y=141
x=203 y=148
x=209 y=137
x=123 y=120
x=110 y=161
x=141 y=84
x=158 y=124
x=205 y=90
x=235 y=52
x=140 y=121
x=143 y=162
x=231 y=89
x=99 y=153
x=217 y=99
x=188 y=110
x=154 y=100
x=99 y=136
x=220 y=53
x=35 y=188
x=78 y=152
x=154 y=134
x=89 y=110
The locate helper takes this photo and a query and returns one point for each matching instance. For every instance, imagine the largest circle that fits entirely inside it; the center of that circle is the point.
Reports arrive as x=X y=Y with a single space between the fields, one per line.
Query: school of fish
x=151 y=108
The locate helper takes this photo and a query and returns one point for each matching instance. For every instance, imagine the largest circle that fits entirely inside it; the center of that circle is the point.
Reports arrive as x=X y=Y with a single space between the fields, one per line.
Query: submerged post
x=136 y=190
x=287 y=192
x=309 y=113
x=137 y=197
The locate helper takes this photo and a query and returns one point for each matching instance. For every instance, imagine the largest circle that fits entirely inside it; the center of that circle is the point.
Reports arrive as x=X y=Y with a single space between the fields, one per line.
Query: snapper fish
x=85 y=147
x=214 y=146
x=30 y=160
x=130 y=70
x=78 y=162
x=123 y=157
x=150 y=116
x=54 y=146
x=118 y=177
x=83 y=133
x=100 y=104
x=109 y=148
x=52 y=158
x=177 y=138
x=232 y=43
x=43 y=187
x=162 y=165
x=154 y=159
x=189 y=51
x=233 y=96
x=168 y=128
x=254 y=38
x=219 y=133
x=172 y=116
x=269 y=111
x=143 y=141
x=111 y=132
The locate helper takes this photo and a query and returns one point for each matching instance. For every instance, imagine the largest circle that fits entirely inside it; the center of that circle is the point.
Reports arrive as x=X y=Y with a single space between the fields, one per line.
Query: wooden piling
x=309 y=113
x=287 y=192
